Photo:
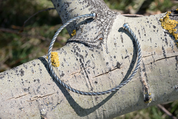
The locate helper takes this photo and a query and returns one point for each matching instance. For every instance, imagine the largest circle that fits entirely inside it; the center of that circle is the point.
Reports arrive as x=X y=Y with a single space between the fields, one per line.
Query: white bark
x=28 y=90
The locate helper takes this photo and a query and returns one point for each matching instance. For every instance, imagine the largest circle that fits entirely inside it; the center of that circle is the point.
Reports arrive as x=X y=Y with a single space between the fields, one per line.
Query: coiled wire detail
x=93 y=15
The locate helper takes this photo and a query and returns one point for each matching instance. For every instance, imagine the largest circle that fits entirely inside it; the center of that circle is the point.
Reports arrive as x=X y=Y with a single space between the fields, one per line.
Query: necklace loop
x=93 y=15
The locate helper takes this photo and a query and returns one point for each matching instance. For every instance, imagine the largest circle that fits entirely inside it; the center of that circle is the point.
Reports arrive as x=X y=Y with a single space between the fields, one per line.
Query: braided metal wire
x=92 y=93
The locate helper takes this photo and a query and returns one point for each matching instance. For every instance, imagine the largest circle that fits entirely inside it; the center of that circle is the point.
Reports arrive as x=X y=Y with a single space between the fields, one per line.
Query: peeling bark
x=97 y=58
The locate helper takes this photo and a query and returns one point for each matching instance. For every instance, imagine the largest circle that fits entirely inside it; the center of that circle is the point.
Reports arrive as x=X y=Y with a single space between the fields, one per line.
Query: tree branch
x=29 y=90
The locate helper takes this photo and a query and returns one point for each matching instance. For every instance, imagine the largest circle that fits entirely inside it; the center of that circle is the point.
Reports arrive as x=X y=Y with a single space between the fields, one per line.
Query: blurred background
x=20 y=47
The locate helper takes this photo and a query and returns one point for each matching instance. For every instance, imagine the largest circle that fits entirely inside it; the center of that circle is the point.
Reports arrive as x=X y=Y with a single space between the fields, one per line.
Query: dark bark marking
x=21 y=72
x=154 y=26
x=2 y=75
x=176 y=58
x=118 y=66
x=164 y=52
x=163 y=59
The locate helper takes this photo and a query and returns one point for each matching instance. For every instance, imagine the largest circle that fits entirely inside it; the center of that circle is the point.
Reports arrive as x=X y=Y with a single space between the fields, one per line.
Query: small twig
x=145 y=5
x=24 y=34
x=33 y=16
x=166 y=112
x=132 y=15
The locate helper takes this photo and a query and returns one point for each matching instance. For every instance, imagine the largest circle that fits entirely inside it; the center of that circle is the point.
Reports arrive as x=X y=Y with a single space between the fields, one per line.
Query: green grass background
x=16 y=49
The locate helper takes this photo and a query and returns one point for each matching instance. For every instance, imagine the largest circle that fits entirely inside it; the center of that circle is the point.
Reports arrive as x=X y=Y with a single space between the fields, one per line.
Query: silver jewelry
x=93 y=15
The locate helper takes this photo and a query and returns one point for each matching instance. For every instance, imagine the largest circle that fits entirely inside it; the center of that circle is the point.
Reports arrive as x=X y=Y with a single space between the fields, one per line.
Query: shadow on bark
x=77 y=108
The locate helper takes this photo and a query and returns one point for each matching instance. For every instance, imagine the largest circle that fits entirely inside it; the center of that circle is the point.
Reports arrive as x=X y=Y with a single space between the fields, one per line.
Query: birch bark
x=97 y=58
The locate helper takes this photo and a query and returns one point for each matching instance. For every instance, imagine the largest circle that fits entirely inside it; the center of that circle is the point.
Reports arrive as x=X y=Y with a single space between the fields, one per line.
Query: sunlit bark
x=97 y=58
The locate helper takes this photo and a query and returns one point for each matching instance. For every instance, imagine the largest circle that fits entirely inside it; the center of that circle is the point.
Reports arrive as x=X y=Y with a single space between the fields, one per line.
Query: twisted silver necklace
x=93 y=15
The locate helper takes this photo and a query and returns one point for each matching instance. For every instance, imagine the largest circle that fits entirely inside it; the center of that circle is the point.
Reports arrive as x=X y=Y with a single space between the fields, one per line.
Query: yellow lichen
x=73 y=33
x=54 y=59
x=149 y=98
x=170 y=25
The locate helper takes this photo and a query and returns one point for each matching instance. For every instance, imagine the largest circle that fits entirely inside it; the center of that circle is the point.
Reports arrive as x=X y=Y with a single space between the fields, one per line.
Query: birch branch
x=97 y=58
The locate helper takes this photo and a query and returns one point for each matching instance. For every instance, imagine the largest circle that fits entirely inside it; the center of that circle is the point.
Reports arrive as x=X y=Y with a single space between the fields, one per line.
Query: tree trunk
x=97 y=58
